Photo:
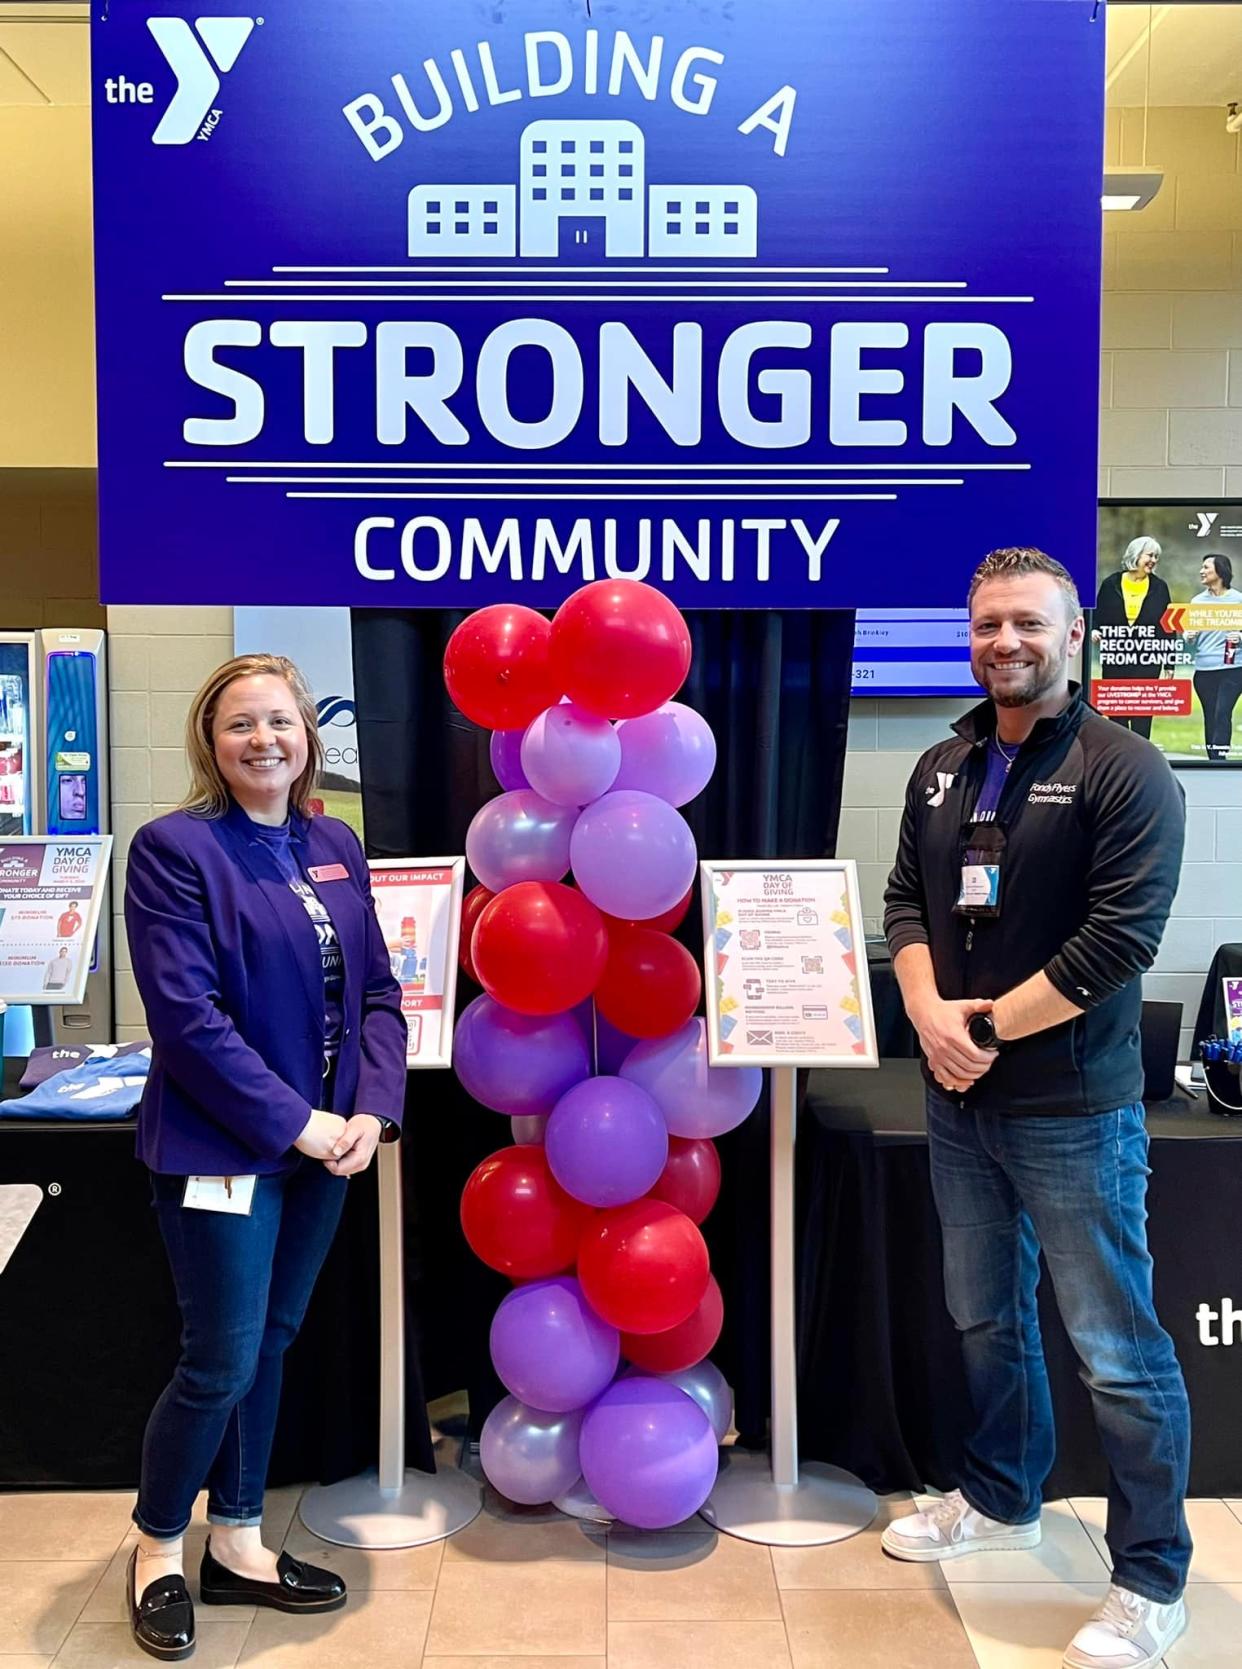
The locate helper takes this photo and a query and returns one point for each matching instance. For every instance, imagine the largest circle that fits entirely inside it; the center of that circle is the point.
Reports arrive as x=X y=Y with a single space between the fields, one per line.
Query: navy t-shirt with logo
x=277 y=840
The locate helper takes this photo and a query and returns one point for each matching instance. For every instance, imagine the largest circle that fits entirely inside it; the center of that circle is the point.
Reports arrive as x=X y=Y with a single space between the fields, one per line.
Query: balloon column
x=585 y=1037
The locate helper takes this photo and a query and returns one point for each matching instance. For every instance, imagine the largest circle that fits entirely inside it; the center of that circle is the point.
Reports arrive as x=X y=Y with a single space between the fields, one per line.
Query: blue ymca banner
x=769 y=304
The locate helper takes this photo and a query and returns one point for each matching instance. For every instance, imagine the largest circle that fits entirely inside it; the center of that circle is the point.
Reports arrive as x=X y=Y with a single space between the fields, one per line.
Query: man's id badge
x=219 y=1193
x=980 y=887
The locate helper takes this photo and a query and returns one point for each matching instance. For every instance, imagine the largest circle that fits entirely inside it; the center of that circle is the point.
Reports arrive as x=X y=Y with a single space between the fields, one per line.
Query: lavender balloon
x=520 y=1064
x=570 y=756
x=648 y=1453
x=550 y=1348
x=519 y=836
x=529 y=1455
x=670 y=753
x=606 y=1142
x=710 y=1389
x=505 y=752
x=611 y=1046
x=528 y=1129
x=697 y=1100
x=633 y=855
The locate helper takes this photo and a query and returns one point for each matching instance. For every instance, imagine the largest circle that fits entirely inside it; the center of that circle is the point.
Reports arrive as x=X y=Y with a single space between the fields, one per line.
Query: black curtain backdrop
x=775 y=688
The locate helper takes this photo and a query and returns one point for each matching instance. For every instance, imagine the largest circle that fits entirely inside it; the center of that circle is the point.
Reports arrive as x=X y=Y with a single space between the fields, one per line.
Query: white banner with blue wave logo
x=317 y=640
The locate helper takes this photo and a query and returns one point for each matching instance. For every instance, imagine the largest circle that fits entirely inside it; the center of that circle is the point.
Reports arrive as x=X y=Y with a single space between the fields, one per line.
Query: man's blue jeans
x=1007 y=1186
x=243 y=1284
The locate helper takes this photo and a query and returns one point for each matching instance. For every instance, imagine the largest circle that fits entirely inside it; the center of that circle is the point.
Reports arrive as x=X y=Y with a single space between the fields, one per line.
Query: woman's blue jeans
x=1006 y=1186
x=243 y=1284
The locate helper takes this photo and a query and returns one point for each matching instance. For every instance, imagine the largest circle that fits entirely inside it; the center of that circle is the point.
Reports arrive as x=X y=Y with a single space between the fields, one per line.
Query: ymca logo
x=944 y=781
x=194 y=60
x=1203 y=523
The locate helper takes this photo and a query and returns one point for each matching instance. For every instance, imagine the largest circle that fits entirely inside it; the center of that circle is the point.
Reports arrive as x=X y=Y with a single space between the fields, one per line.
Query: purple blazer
x=227 y=962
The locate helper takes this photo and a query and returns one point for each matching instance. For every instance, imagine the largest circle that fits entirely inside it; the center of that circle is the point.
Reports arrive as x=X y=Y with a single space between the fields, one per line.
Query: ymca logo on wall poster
x=445 y=304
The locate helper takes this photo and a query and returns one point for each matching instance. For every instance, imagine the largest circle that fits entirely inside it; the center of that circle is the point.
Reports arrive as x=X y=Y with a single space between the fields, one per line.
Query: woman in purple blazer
x=278 y=1065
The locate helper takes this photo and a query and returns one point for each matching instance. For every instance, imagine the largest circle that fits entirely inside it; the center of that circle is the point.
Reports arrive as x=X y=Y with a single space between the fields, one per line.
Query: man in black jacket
x=1039 y=853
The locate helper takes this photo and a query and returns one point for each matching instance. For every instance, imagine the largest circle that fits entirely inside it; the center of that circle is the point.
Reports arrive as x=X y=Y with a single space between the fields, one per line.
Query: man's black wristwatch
x=982 y=1031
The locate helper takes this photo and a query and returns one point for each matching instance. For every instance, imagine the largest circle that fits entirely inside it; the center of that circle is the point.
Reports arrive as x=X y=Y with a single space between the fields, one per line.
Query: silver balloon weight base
x=428 y=1507
x=825 y=1505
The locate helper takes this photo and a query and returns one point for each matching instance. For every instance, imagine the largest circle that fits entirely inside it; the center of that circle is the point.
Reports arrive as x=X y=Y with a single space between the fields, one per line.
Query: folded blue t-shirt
x=103 y=1088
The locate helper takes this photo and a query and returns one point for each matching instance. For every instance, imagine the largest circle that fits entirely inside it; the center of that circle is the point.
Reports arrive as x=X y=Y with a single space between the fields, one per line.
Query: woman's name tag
x=220 y=1193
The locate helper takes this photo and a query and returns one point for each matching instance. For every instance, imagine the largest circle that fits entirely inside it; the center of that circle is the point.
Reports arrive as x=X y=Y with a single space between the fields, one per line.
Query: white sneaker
x=1127 y=1632
x=951 y=1527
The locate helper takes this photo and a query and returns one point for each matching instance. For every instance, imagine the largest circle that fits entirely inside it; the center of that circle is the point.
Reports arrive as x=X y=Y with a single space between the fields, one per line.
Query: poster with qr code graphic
x=786 y=973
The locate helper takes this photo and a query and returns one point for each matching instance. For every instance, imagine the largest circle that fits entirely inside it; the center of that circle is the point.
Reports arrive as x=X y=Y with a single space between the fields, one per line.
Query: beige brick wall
x=1171 y=361
x=158 y=658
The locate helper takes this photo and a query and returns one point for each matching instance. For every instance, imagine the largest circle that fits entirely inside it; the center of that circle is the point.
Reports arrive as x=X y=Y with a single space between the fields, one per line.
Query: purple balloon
x=528 y=1129
x=606 y=1142
x=520 y=1064
x=519 y=836
x=648 y=1453
x=633 y=855
x=550 y=1348
x=529 y=1455
x=570 y=756
x=670 y=753
x=505 y=752
x=697 y=1100
x=611 y=1046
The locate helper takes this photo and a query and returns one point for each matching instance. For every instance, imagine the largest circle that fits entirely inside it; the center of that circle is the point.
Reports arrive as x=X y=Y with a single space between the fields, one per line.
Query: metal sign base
x=824 y=1505
x=357 y=1512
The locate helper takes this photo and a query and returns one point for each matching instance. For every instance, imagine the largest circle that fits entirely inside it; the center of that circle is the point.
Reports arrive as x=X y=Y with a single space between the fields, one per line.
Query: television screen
x=1166 y=627
x=912 y=651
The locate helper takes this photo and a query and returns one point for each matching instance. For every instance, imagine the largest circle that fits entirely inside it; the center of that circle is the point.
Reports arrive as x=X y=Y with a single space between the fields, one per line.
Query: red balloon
x=669 y=922
x=651 y=985
x=644 y=1267
x=517 y=1217
x=540 y=947
x=498 y=667
x=690 y=1179
x=682 y=1346
x=472 y=907
x=620 y=649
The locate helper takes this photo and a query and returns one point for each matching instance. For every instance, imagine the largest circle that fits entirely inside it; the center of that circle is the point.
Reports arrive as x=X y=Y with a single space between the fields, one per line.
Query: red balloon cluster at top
x=585 y=868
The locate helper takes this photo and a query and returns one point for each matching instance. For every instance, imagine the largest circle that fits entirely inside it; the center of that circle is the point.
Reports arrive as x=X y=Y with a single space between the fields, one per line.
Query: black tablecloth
x=89 y=1325
x=881 y=1384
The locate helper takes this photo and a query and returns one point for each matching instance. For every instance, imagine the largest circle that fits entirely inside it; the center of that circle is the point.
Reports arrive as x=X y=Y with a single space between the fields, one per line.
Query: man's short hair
x=1014 y=560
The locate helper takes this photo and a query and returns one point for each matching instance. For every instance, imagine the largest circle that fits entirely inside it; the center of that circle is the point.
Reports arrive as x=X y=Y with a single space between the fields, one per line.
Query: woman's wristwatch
x=982 y=1030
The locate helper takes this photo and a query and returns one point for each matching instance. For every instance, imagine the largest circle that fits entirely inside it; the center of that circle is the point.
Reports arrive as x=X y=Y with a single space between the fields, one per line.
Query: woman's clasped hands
x=344 y=1146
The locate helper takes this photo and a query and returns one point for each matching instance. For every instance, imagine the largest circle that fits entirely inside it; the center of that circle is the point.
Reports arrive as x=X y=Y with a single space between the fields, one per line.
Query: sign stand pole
x=775 y=1501
x=388 y=1506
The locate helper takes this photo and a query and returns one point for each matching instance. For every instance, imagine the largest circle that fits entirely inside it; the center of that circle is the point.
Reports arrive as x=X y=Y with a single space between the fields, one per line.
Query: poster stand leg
x=389 y=1506
x=775 y=1501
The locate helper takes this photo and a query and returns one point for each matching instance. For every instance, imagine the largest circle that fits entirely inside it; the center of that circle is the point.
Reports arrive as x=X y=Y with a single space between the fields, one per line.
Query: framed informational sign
x=446 y=304
x=50 y=895
x=418 y=903
x=1166 y=626
x=788 y=985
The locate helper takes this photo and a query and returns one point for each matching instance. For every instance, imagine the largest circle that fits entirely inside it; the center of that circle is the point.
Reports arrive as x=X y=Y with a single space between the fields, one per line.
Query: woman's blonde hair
x=209 y=794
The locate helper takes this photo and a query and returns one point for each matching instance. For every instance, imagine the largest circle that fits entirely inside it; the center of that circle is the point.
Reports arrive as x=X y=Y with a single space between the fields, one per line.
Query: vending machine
x=54 y=780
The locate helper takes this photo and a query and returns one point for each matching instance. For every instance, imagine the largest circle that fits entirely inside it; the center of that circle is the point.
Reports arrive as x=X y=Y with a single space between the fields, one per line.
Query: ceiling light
x=1130 y=191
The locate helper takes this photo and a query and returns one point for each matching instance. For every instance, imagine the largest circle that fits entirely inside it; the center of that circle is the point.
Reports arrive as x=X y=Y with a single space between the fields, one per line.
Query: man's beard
x=1040 y=681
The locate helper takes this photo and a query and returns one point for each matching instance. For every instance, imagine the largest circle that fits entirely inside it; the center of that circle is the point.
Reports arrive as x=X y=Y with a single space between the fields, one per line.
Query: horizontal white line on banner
x=607 y=300
x=438 y=464
x=584 y=481
x=648 y=266
x=610 y=498
x=622 y=285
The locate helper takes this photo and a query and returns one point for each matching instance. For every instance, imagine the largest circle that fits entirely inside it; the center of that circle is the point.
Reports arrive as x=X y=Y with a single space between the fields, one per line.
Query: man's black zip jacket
x=1094 y=822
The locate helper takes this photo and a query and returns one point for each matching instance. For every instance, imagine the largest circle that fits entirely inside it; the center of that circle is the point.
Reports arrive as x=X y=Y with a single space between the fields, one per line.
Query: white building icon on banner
x=583 y=192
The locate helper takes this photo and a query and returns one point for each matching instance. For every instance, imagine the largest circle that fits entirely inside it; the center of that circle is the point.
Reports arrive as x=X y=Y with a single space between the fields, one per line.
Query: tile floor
x=532 y=1590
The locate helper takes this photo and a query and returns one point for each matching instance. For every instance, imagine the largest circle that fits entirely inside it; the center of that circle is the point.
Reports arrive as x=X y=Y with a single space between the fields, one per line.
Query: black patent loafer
x=300 y=1587
x=162 y=1621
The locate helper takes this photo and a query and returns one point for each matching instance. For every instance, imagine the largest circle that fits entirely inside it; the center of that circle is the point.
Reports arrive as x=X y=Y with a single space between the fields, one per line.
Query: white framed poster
x=787 y=981
x=418 y=903
x=51 y=889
